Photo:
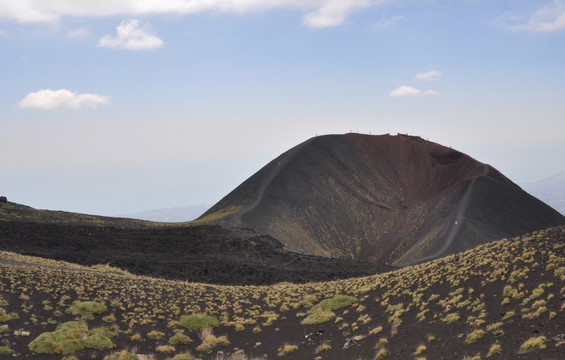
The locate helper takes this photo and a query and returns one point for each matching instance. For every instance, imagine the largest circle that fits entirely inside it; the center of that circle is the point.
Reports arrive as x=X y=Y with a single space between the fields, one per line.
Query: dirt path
x=267 y=180
x=458 y=221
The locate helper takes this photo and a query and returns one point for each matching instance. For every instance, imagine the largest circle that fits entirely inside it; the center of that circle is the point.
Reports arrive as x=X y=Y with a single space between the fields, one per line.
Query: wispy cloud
x=431 y=75
x=319 y=13
x=48 y=99
x=333 y=12
x=132 y=36
x=410 y=91
x=78 y=33
x=386 y=22
x=550 y=17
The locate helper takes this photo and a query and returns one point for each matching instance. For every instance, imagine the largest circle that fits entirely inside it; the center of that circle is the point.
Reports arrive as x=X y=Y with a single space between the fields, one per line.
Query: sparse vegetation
x=68 y=338
x=375 y=312
x=324 y=347
x=199 y=321
x=287 y=349
x=382 y=353
x=210 y=341
x=4 y=350
x=494 y=349
x=474 y=336
x=317 y=316
x=533 y=343
x=179 y=339
x=122 y=355
x=87 y=308
x=382 y=342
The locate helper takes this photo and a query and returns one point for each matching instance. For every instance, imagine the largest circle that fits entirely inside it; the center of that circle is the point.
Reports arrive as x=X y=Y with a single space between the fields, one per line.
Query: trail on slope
x=268 y=179
x=457 y=223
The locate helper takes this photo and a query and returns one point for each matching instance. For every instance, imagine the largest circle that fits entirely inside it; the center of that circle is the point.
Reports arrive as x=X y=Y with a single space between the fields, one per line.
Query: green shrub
x=336 y=303
x=323 y=311
x=98 y=339
x=309 y=301
x=4 y=350
x=66 y=339
x=165 y=349
x=71 y=337
x=318 y=316
x=199 y=321
x=179 y=339
x=86 y=308
x=98 y=342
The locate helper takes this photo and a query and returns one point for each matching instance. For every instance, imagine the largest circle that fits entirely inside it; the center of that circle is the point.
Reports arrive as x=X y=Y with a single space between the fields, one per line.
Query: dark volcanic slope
x=207 y=254
x=397 y=199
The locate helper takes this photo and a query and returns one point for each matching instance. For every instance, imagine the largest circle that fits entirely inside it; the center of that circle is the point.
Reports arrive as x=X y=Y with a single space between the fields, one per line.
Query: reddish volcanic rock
x=395 y=199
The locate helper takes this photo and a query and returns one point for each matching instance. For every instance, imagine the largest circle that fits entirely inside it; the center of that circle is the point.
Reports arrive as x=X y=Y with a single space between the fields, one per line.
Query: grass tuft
x=287 y=349
x=210 y=341
x=324 y=347
x=196 y=322
x=179 y=339
x=122 y=355
x=86 y=308
x=494 y=349
x=474 y=336
x=318 y=316
x=532 y=344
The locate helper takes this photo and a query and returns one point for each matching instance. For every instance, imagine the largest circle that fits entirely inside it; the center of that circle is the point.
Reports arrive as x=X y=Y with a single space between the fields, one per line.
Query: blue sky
x=112 y=109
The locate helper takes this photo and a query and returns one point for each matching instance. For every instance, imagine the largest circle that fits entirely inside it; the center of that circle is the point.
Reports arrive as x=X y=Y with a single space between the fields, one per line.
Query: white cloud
x=129 y=35
x=432 y=75
x=320 y=13
x=333 y=12
x=78 y=33
x=48 y=99
x=549 y=18
x=410 y=91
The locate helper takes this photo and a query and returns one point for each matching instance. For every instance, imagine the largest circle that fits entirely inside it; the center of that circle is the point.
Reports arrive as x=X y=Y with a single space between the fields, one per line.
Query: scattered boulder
x=3 y=199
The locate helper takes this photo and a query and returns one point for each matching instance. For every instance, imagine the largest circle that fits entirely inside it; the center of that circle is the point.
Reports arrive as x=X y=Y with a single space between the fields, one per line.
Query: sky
x=113 y=107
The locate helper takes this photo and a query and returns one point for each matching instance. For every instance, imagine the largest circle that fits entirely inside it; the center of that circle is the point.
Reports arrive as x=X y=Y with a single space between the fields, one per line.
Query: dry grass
x=436 y=296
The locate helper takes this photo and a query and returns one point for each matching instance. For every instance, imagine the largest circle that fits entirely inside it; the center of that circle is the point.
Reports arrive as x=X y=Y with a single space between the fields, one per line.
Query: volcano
x=388 y=199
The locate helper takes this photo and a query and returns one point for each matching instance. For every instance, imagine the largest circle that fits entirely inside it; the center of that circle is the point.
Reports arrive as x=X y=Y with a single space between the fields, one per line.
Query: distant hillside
x=10 y=211
x=551 y=190
x=395 y=199
x=175 y=214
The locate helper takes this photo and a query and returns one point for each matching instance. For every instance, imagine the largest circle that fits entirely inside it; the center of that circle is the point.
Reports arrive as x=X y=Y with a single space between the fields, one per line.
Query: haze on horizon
x=111 y=108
